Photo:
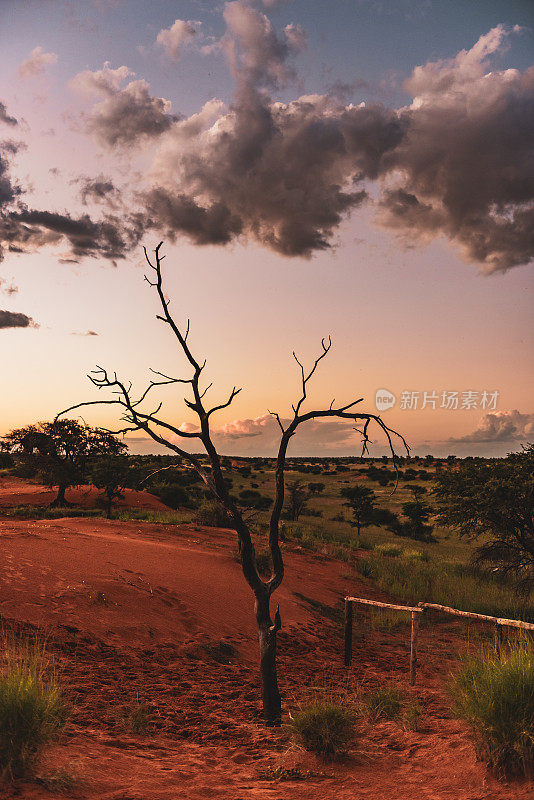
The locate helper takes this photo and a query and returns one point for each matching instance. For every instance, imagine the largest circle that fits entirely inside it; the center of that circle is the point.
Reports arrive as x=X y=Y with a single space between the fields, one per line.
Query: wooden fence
x=416 y=612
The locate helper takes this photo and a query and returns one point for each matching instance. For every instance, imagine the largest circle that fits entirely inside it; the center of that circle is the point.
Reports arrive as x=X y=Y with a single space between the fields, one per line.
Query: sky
x=360 y=169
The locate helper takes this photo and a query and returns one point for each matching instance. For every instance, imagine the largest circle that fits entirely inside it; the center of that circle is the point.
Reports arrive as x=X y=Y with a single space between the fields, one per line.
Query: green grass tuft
x=32 y=710
x=494 y=693
x=325 y=728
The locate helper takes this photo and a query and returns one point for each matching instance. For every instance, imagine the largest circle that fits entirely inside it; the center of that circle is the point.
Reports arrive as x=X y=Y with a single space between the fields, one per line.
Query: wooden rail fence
x=416 y=612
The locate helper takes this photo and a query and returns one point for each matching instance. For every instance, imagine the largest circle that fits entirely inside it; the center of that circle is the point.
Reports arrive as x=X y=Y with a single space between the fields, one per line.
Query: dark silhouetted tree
x=112 y=474
x=171 y=434
x=361 y=501
x=494 y=501
x=61 y=451
x=297 y=497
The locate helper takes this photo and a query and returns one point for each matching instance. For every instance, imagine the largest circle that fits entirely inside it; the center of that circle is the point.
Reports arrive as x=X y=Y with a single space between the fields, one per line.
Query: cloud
x=36 y=63
x=9 y=289
x=87 y=333
x=4 y=116
x=101 y=82
x=283 y=174
x=8 y=189
x=23 y=229
x=99 y=190
x=258 y=55
x=110 y=237
x=456 y=163
x=172 y=39
x=465 y=167
x=126 y=116
x=15 y=319
x=503 y=426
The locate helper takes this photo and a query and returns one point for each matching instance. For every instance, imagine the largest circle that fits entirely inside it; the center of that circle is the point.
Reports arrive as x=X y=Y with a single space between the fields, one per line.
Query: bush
x=254 y=499
x=31 y=713
x=173 y=495
x=25 y=471
x=212 y=515
x=324 y=728
x=6 y=460
x=495 y=695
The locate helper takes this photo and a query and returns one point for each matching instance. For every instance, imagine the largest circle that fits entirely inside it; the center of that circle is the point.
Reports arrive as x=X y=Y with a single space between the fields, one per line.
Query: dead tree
x=159 y=430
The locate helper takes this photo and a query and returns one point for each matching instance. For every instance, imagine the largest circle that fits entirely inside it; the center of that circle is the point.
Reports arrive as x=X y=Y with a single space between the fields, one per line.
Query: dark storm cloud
x=458 y=162
x=15 y=319
x=212 y=224
x=283 y=174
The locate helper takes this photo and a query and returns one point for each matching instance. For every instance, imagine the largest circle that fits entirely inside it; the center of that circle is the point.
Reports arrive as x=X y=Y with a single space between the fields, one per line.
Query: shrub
x=254 y=499
x=173 y=495
x=325 y=728
x=31 y=712
x=212 y=515
x=136 y=718
x=495 y=695
x=6 y=460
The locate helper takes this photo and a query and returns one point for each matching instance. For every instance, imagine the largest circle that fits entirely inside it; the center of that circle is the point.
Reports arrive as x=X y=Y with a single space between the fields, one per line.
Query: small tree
x=417 y=491
x=361 y=502
x=61 y=450
x=416 y=525
x=112 y=474
x=297 y=497
x=494 y=500
x=169 y=435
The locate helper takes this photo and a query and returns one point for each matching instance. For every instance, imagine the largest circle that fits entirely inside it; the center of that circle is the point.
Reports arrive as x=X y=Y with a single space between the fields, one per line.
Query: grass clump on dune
x=494 y=693
x=325 y=728
x=391 y=703
x=32 y=710
x=414 y=579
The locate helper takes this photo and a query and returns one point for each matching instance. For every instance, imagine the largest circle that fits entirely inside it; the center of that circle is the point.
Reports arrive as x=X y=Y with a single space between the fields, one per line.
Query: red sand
x=127 y=608
x=18 y=492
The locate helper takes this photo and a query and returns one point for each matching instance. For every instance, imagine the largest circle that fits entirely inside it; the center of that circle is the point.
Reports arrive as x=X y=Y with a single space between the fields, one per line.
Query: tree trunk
x=109 y=500
x=60 y=501
x=272 y=703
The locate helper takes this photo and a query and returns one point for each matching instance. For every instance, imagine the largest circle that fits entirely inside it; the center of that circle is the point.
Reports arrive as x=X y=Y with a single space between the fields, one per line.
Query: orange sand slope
x=19 y=492
x=129 y=609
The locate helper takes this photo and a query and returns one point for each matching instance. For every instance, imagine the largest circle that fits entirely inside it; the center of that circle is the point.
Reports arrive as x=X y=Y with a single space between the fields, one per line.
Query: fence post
x=498 y=638
x=348 y=633
x=413 y=646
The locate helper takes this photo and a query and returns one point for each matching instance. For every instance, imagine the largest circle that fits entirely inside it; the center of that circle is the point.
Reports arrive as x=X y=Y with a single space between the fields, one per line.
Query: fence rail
x=416 y=612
